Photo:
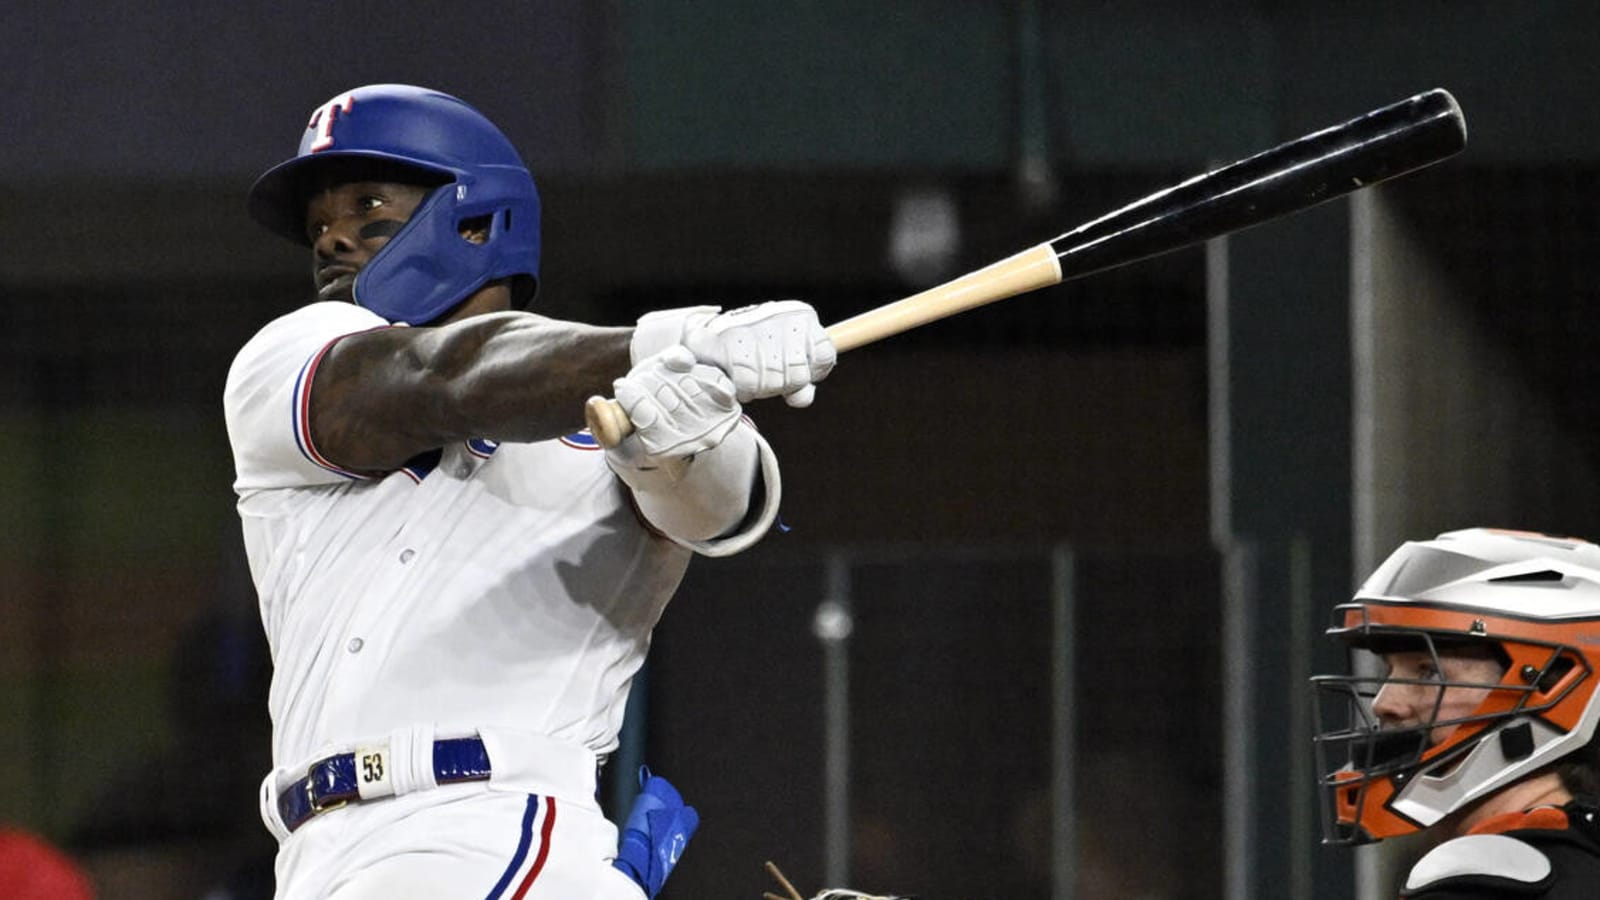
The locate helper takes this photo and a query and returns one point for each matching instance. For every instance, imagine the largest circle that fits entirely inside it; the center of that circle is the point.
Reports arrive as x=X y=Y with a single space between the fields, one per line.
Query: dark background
x=1224 y=439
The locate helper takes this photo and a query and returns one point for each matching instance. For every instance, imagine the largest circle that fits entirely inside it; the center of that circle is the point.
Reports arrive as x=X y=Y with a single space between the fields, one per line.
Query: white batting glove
x=656 y=331
x=678 y=408
x=769 y=349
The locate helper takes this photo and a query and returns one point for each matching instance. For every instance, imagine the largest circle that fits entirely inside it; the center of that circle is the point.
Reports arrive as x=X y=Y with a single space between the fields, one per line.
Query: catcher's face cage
x=1382 y=781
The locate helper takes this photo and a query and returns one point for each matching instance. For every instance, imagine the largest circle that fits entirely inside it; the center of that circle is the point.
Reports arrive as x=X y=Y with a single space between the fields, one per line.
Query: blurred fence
x=1021 y=722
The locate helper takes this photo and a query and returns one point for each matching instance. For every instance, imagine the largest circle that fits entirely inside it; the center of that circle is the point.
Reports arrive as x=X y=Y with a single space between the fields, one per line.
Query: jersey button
x=406 y=554
x=355 y=645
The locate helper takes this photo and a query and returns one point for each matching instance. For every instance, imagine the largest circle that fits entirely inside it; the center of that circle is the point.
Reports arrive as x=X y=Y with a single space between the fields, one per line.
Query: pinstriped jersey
x=488 y=584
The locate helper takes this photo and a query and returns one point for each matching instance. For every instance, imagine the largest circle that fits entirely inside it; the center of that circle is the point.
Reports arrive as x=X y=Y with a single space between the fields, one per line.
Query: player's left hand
x=658 y=829
x=768 y=350
x=678 y=407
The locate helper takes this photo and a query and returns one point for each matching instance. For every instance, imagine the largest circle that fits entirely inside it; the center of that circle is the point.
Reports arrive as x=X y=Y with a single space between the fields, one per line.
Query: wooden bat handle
x=1033 y=268
x=1029 y=270
x=1296 y=175
x=606 y=420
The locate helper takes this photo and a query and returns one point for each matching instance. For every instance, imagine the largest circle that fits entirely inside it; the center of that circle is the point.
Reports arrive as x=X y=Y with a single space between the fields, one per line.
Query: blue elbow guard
x=659 y=827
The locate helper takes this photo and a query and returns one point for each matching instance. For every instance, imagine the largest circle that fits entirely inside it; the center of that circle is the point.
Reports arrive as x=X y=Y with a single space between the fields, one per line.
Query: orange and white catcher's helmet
x=1532 y=601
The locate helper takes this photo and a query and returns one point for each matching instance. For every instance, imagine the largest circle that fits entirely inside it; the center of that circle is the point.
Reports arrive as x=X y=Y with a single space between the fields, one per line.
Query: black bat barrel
x=1302 y=173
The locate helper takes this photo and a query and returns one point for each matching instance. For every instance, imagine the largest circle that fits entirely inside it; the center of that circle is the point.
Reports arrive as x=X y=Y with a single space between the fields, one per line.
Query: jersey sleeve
x=268 y=393
x=763 y=508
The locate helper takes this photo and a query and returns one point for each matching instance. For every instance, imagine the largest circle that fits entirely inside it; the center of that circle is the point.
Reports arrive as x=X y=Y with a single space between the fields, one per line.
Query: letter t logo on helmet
x=322 y=120
x=428 y=267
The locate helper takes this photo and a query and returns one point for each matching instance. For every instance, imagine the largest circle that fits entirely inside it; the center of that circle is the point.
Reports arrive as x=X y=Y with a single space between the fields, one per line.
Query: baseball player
x=457 y=584
x=1477 y=720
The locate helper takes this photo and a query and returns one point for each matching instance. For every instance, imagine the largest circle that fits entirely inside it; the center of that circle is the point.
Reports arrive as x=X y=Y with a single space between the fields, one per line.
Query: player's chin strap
x=831 y=894
x=659 y=827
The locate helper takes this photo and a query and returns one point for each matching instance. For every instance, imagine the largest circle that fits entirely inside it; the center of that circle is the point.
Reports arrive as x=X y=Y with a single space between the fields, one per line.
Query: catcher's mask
x=1529 y=601
x=428 y=267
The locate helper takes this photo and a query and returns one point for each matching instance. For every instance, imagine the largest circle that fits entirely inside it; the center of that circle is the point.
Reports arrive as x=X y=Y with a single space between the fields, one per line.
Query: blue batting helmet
x=428 y=267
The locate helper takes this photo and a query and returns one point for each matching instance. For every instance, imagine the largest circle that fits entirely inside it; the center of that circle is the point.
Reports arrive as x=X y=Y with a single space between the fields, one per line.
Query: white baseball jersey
x=508 y=590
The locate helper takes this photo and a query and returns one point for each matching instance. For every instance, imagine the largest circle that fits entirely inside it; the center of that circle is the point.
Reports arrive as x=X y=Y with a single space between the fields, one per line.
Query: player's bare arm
x=381 y=397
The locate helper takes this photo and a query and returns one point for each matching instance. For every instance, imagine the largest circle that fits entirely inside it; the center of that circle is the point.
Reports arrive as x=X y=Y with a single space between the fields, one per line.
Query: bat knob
x=606 y=420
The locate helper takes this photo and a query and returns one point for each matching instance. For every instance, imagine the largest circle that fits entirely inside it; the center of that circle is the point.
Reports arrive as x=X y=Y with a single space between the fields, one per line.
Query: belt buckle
x=316 y=804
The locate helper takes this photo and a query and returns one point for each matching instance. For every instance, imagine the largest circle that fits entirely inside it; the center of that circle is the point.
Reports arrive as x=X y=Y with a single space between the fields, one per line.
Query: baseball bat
x=1383 y=144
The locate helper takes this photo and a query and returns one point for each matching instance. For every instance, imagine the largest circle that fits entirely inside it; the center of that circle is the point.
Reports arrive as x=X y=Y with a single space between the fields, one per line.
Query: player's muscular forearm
x=381 y=397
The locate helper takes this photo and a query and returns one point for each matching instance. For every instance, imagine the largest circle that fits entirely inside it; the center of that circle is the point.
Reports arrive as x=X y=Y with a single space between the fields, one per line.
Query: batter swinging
x=457 y=584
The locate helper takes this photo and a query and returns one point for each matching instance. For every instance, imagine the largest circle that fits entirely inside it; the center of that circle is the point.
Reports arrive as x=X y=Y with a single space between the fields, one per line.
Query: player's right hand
x=768 y=350
x=678 y=407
